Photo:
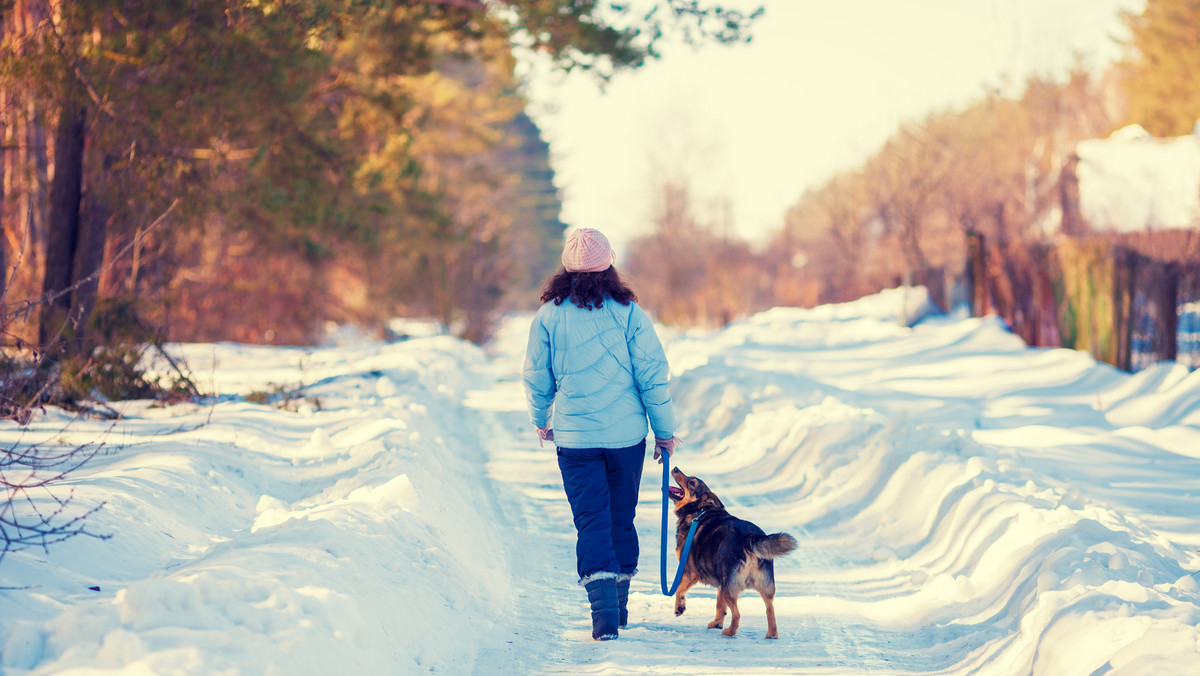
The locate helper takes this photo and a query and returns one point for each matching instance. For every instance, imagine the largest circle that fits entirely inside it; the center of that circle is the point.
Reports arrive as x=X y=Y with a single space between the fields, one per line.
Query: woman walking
x=595 y=371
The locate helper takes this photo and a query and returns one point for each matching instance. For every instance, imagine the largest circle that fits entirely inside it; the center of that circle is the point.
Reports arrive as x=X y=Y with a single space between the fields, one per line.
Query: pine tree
x=1162 y=77
x=307 y=135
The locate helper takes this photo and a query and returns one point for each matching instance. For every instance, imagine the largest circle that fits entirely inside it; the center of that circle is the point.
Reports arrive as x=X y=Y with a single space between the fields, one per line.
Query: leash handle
x=687 y=543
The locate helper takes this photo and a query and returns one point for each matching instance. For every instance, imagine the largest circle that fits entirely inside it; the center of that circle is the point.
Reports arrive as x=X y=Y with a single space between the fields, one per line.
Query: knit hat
x=587 y=250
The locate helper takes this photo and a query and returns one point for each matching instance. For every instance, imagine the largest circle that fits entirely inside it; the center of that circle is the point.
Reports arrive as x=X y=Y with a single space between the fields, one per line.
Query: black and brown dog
x=728 y=553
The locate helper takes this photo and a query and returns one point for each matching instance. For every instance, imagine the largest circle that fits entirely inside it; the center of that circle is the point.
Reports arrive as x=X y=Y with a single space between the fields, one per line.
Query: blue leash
x=687 y=544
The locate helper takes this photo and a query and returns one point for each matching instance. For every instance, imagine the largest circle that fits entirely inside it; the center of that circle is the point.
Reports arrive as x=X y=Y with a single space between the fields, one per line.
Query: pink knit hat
x=587 y=250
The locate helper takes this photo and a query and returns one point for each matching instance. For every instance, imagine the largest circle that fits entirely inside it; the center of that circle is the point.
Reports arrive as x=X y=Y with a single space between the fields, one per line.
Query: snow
x=1131 y=181
x=964 y=505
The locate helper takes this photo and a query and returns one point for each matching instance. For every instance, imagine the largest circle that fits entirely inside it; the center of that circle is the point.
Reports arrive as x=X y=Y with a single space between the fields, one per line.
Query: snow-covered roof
x=1132 y=181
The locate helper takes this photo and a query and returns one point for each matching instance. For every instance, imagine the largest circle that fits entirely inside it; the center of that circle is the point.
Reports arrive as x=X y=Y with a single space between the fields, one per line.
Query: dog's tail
x=773 y=545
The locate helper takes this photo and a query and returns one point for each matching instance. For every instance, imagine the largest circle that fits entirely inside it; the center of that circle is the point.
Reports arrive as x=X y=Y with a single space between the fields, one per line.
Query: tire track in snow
x=518 y=482
x=846 y=643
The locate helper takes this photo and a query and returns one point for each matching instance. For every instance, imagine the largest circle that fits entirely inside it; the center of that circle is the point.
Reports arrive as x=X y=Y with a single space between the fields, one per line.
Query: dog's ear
x=706 y=499
x=711 y=501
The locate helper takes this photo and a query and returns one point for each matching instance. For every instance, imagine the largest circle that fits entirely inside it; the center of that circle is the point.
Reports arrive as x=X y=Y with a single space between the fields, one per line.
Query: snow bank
x=1017 y=510
x=248 y=539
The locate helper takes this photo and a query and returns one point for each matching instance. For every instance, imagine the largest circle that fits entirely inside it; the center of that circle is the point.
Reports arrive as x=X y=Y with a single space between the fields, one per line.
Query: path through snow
x=551 y=623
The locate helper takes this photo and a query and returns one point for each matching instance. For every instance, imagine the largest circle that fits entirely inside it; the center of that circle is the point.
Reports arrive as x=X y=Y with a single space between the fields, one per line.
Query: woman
x=595 y=363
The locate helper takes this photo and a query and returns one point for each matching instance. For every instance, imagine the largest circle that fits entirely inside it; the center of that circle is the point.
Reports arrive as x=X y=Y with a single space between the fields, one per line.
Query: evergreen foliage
x=329 y=159
x=1162 y=76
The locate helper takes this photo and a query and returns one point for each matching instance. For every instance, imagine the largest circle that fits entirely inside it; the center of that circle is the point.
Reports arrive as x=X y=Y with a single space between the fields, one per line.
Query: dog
x=728 y=553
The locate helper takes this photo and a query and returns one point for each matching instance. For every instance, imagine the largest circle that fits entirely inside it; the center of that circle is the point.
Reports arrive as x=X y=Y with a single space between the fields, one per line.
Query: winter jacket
x=601 y=371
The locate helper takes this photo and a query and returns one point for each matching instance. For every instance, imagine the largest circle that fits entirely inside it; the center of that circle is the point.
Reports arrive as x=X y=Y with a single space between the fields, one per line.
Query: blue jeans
x=602 y=487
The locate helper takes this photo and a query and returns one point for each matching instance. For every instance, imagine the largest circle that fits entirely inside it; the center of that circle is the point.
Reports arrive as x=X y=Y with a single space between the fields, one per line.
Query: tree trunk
x=90 y=254
x=1068 y=195
x=4 y=153
x=22 y=196
x=63 y=232
x=37 y=168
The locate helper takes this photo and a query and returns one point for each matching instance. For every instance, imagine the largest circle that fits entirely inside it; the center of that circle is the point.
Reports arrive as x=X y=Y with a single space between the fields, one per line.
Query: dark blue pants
x=602 y=487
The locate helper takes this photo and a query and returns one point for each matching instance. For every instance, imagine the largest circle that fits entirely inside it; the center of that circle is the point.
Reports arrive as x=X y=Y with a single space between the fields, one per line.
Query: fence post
x=1124 y=274
x=976 y=274
x=1068 y=195
x=1168 y=314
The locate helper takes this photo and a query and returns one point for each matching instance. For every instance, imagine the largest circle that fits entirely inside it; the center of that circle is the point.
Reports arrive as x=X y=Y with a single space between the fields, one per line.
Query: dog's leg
x=769 y=601
x=766 y=589
x=721 y=605
x=684 y=584
x=734 y=615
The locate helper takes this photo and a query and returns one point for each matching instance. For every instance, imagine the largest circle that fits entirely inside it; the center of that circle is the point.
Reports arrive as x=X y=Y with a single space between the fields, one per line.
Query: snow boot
x=602 y=593
x=623 y=600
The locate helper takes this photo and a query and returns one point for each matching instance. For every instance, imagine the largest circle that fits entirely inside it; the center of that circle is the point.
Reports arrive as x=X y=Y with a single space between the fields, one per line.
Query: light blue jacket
x=601 y=372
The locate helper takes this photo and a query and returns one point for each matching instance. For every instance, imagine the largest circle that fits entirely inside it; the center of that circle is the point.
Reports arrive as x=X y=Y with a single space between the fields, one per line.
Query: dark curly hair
x=587 y=289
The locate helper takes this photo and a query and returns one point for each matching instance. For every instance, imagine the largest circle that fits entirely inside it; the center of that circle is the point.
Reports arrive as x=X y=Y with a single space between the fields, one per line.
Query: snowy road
x=551 y=628
x=963 y=505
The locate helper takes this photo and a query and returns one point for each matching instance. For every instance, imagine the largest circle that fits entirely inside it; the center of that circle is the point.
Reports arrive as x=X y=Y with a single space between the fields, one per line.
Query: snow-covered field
x=964 y=505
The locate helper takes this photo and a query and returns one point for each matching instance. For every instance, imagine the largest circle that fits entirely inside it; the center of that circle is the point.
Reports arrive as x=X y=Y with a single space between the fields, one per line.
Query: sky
x=819 y=88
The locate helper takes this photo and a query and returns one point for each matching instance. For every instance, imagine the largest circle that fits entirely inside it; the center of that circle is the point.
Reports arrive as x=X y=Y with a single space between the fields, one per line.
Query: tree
x=305 y=128
x=1162 y=76
x=64 y=233
x=992 y=167
x=688 y=269
x=159 y=96
x=827 y=239
x=538 y=209
x=23 y=204
x=904 y=181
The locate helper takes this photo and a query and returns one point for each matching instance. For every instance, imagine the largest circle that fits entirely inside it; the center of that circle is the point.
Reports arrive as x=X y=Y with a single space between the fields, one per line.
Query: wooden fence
x=1131 y=301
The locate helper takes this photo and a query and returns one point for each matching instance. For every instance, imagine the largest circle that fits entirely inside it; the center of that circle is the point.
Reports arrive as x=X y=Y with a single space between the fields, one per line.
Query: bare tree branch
x=32 y=512
x=11 y=311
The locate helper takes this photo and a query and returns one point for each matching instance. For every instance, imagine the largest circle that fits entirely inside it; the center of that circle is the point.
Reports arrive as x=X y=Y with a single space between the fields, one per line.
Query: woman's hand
x=544 y=434
x=667 y=445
